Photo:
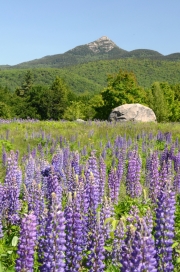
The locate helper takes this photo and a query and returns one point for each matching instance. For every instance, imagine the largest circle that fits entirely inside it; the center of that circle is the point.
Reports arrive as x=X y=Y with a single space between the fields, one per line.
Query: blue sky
x=37 y=28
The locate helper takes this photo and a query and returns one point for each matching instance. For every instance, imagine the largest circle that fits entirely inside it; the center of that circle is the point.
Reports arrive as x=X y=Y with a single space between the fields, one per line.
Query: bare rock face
x=132 y=112
x=103 y=43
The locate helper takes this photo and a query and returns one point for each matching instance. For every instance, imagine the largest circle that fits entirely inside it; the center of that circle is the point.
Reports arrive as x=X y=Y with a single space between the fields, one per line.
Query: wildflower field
x=92 y=196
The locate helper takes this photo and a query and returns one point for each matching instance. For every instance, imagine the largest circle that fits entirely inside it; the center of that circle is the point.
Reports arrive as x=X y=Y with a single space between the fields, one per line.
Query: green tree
x=74 y=111
x=38 y=100
x=26 y=85
x=121 y=88
x=58 y=99
x=175 y=117
x=158 y=103
x=5 y=111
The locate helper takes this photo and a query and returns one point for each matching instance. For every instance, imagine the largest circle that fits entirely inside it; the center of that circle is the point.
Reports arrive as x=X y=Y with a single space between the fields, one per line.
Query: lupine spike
x=53 y=245
x=26 y=246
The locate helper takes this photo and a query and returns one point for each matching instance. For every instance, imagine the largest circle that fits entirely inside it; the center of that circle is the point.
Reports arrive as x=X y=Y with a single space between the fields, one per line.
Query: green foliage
x=7 y=145
x=122 y=88
x=158 y=103
x=92 y=76
x=74 y=111
x=8 y=248
x=163 y=100
x=123 y=207
x=26 y=85
x=58 y=99
x=5 y=111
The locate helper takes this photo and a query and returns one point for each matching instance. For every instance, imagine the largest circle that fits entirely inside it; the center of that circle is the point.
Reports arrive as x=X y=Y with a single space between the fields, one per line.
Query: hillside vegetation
x=92 y=76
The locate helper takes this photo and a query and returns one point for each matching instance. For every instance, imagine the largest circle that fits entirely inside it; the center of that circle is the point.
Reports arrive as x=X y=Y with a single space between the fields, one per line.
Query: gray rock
x=80 y=120
x=132 y=112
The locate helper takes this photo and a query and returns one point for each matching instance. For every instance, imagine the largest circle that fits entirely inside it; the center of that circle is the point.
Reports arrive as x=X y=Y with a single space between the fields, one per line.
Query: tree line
x=59 y=102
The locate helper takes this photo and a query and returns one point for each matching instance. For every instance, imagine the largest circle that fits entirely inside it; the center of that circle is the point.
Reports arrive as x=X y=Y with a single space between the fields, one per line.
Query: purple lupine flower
x=177 y=143
x=26 y=246
x=129 y=142
x=118 y=243
x=133 y=185
x=160 y=136
x=153 y=181
x=4 y=157
x=12 y=190
x=93 y=170
x=85 y=209
x=58 y=161
x=172 y=152
x=88 y=208
x=168 y=137
x=177 y=162
x=108 y=145
x=164 y=229
x=74 y=234
x=120 y=168
x=37 y=175
x=150 y=137
x=35 y=199
x=54 y=240
x=33 y=153
x=29 y=171
x=138 y=250
x=169 y=170
x=96 y=248
x=75 y=163
x=143 y=255
x=19 y=178
x=41 y=232
x=103 y=154
x=72 y=180
x=84 y=151
x=1 y=208
x=164 y=156
x=66 y=158
x=107 y=211
x=51 y=185
x=102 y=175
x=114 y=185
x=12 y=202
x=176 y=184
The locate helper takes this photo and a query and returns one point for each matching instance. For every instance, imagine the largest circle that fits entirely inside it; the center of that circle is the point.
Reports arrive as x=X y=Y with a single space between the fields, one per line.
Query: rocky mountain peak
x=103 y=43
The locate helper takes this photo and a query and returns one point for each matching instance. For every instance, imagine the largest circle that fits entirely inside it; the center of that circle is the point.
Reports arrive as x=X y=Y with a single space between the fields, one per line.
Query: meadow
x=91 y=196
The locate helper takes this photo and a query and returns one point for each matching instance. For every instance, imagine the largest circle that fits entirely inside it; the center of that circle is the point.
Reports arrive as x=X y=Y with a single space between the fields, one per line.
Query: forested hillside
x=58 y=101
x=92 y=76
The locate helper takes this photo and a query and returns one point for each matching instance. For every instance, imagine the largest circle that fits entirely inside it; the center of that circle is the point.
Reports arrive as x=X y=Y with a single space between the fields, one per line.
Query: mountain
x=85 y=67
x=100 y=49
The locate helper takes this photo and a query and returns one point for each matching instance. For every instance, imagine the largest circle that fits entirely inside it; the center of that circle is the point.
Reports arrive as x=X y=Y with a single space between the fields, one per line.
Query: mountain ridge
x=100 y=49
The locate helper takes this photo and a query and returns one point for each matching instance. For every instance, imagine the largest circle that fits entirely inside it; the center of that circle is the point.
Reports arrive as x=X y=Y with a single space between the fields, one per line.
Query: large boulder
x=80 y=120
x=132 y=112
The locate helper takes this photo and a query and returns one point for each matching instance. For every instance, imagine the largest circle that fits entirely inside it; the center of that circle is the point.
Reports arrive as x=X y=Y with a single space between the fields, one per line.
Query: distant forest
x=91 y=77
x=91 y=90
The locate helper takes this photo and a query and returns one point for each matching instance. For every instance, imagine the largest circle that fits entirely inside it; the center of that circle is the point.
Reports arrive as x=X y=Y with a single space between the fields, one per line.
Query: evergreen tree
x=58 y=99
x=23 y=91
